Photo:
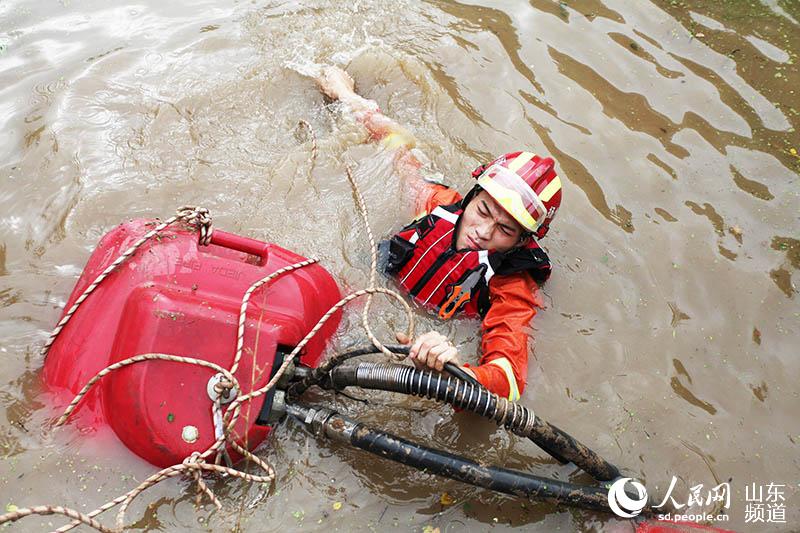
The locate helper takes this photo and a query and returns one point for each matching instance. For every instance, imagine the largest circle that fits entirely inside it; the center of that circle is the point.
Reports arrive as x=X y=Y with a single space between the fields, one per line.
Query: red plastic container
x=176 y=297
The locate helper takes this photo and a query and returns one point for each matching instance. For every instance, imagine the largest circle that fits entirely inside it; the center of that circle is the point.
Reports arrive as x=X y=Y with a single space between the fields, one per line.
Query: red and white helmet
x=526 y=186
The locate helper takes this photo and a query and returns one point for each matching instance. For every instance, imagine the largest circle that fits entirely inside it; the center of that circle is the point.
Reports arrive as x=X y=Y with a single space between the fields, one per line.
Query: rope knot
x=223 y=388
x=194 y=458
x=200 y=217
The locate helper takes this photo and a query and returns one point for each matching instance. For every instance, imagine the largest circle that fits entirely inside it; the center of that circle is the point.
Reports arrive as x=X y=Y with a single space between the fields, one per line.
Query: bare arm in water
x=338 y=85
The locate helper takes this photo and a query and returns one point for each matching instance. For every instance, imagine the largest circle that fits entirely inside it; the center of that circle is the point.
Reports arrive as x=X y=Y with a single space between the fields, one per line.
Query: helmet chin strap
x=480 y=170
x=470 y=195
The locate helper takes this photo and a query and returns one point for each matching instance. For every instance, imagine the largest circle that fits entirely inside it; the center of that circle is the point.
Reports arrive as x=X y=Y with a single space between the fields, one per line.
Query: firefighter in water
x=475 y=255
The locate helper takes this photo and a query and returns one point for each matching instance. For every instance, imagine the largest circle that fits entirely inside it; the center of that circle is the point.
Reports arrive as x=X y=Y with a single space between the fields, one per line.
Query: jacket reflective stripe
x=425 y=253
x=483 y=258
x=445 y=214
x=445 y=278
x=513 y=390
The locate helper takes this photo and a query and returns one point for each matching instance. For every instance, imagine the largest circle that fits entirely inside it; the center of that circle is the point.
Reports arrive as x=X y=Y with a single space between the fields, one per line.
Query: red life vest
x=423 y=258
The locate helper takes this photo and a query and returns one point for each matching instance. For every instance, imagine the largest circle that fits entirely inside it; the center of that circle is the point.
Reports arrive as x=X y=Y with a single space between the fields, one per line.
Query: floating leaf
x=299 y=515
x=337 y=506
x=11 y=508
x=446 y=499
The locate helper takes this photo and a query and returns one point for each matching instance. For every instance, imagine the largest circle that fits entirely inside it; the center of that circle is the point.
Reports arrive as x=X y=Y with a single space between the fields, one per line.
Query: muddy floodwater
x=670 y=333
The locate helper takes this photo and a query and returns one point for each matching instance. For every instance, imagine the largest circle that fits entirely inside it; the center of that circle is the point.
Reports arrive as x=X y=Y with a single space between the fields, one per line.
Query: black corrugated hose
x=474 y=397
x=318 y=374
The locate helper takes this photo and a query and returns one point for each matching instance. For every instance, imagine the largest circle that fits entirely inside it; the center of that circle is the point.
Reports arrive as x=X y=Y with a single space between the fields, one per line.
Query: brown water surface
x=670 y=336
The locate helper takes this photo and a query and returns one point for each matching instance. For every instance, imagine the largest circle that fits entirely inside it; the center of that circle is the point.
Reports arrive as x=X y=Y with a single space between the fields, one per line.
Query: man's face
x=487 y=226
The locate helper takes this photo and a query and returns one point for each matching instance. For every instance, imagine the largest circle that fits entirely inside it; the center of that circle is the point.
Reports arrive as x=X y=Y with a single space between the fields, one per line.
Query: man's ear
x=523 y=240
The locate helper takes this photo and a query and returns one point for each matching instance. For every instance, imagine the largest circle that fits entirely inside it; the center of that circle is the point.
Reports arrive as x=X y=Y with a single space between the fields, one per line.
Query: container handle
x=242 y=244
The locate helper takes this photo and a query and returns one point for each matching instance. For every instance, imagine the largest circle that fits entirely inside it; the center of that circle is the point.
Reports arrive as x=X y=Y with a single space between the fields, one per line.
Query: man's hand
x=336 y=83
x=431 y=349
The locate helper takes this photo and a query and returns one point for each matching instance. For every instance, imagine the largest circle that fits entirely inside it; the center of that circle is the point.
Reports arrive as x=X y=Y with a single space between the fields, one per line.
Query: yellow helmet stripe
x=520 y=160
x=552 y=188
x=505 y=365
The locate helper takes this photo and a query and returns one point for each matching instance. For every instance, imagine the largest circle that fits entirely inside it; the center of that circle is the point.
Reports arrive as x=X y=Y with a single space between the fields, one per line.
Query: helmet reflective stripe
x=518 y=161
x=513 y=391
x=552 y=188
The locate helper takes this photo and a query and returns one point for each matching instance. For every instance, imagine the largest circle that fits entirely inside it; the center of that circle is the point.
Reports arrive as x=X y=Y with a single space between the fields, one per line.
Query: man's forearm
x=338 y=85
x=380 y=127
